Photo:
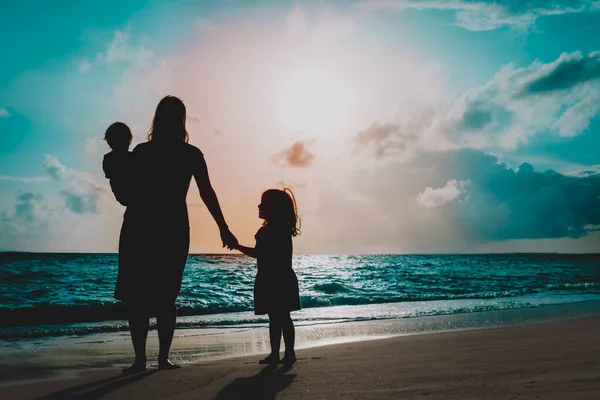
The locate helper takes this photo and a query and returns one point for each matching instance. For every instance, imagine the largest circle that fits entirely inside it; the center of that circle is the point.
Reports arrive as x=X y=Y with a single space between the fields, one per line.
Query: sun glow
x=313 y=100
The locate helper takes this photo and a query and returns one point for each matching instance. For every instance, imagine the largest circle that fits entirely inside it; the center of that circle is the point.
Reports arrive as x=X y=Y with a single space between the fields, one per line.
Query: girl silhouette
x=276 y=286
x=155 y=235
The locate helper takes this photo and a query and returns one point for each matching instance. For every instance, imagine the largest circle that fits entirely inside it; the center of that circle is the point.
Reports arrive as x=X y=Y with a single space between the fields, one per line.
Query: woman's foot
x=288 y=359
x=167 y=364
x=136 y=367
x=271 y=359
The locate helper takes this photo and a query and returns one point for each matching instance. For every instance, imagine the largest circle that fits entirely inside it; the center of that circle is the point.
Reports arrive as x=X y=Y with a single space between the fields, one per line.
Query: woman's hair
x=118 y=136
x=169 y=121
x=283 y=209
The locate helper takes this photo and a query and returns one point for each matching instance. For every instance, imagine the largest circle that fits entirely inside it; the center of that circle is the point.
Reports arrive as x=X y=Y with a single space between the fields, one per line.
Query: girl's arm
x=249 y=251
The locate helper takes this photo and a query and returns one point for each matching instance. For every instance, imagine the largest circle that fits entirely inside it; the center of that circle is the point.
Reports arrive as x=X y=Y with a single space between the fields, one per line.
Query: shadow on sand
x=95 y=390
x=265 y=385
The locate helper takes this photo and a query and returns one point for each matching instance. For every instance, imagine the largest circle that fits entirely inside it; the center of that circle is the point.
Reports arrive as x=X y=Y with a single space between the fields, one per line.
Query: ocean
x=56 y=295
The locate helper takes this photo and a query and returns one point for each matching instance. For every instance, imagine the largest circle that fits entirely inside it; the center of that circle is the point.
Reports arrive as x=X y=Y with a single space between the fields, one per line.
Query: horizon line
x=323 y=254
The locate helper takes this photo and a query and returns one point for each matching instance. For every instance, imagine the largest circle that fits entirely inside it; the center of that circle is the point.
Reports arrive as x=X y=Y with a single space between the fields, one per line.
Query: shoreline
x=192 y=346
x=221 y=322
x=553 y=360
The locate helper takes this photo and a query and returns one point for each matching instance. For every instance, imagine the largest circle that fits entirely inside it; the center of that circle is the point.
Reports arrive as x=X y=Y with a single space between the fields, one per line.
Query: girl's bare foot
x=167 y=364
x=271 y=359
x=136 y=367
x=288 y=359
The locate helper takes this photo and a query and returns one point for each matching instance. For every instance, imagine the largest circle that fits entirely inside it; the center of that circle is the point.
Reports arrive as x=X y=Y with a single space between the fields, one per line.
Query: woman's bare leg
x=138 y=327
x=166 y=319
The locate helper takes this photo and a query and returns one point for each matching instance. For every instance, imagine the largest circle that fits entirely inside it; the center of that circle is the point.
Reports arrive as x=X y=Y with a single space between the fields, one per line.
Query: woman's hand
x=229 y=240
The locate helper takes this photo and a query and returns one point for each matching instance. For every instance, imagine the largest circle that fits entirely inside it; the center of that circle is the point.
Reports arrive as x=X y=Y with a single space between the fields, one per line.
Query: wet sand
x=556 y=360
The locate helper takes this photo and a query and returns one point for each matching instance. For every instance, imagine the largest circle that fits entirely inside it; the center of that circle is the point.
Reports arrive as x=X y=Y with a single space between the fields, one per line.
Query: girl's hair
x=282 y=204
x=169 y=121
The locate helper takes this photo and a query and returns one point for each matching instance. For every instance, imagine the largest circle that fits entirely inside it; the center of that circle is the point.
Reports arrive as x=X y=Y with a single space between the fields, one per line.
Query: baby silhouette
x=117 y=165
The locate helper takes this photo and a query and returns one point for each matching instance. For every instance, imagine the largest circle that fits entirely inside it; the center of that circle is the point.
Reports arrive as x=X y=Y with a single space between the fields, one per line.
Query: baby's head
x=279 y=207
x=118 y=136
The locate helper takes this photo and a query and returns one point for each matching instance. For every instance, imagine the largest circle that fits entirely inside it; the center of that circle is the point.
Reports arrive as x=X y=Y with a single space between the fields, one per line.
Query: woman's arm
x=209 y=197
x=249 y=251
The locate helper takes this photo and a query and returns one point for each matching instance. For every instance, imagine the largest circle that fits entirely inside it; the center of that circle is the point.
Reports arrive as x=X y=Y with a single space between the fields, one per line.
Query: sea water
x=55 y=295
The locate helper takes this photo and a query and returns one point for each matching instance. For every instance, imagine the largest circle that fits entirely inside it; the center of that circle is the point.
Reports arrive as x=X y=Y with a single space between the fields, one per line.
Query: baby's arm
x=120 y=190
x=114 y=174
x=249 y=251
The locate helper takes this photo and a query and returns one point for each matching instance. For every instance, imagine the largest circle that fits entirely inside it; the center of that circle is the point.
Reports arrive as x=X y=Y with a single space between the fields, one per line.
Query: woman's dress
x=155 y=235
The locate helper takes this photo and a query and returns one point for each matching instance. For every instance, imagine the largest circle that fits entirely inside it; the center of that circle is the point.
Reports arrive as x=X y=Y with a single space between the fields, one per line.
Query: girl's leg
x=289 y=336
x=138 y=327
x=275 y=333
x=165 y=320
x=275 y=339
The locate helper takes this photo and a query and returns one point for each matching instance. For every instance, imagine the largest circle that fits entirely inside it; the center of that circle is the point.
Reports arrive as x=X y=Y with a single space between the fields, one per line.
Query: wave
x=334 y=287
x=47 y=314
x=320 y=295
x=228 y=323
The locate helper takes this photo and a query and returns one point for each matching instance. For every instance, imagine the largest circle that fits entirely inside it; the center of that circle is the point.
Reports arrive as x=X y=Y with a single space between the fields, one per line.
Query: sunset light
x=231 y=193
x=313 y=100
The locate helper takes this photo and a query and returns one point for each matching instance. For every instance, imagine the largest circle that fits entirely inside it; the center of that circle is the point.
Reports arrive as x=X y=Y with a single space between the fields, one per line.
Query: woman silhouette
x=155 y=236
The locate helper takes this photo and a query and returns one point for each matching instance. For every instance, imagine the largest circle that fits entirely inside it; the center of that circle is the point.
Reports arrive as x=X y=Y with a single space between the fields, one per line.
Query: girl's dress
x=276 y=284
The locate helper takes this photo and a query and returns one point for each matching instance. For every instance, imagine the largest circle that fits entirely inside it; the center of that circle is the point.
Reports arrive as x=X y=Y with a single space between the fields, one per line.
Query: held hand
x=229 y=240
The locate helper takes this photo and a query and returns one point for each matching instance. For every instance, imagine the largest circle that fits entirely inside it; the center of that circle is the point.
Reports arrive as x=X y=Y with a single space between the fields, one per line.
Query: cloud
x=297 y=21
x=383 y=140
x=453 y=201
x=23 y=179
x=297 y=155
x=577 y=118
x=422 y=129
x=292 y=184
x=561 y=97
x=116 y=50
x=478 y=15
x=4 y=113
x=502 y=203
x=28 y=207
x=29 y=215
x=54 y=168
x=438 y=197
x=84 y=66
x=580 y=171
x=81 y=193
x=568 y=71
x=325 y=26
x=92 y=145
x=77 y=214
x=37 y=223
x=193 y=118
x=119 y=50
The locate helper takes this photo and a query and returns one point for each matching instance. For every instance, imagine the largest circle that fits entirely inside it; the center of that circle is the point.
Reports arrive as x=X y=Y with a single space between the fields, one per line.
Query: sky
x=402 y=126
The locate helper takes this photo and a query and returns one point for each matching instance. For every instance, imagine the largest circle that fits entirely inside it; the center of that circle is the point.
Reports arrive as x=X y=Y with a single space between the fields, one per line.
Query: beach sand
x=556 y=360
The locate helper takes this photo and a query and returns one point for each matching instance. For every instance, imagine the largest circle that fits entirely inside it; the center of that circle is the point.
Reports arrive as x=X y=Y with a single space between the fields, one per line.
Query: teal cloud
x=479 y=15
x=502 y=203
x=568 y=71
